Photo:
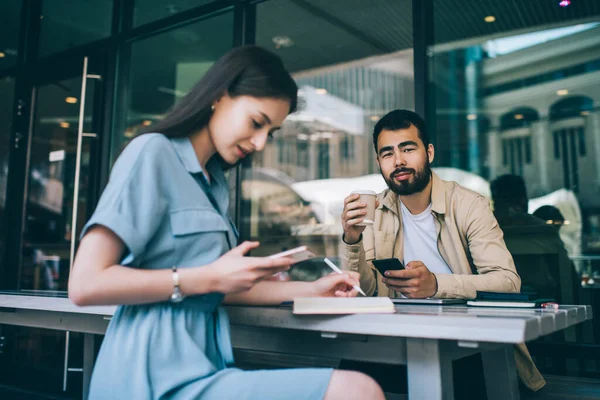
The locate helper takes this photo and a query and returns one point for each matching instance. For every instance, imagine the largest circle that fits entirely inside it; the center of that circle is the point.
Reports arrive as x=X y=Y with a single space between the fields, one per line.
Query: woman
x=160 y=243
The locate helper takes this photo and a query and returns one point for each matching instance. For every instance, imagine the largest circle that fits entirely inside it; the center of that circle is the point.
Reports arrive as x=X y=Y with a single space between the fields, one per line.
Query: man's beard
x=414 y=184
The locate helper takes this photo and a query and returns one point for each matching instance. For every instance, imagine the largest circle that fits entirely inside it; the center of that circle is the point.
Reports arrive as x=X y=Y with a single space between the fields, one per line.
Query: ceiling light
x=471 y=117
x=585 y=113
x=64 y=124
x=374 y=118
x=562 y=92
x=490 y=18
x=564 y=3
x=147 y=122
x=321 y=91
x=519 y=116
x=2 y=54
x=71 y=100
x=282 y=41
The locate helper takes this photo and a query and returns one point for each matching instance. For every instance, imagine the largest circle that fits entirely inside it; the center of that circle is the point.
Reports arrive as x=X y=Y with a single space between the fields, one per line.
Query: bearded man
x=446 y=235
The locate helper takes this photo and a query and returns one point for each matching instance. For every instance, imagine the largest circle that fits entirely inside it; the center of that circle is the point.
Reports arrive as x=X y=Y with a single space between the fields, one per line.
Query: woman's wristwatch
x=176 y=296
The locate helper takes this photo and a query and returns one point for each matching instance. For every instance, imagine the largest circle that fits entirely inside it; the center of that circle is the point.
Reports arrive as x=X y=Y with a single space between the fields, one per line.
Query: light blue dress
x=165 y=211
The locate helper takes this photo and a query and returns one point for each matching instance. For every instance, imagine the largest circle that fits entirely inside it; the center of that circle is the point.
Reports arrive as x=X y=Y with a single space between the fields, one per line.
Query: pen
x=339 y=271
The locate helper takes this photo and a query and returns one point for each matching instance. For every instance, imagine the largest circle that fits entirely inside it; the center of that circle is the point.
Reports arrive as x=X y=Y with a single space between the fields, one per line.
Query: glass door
x=61 y=169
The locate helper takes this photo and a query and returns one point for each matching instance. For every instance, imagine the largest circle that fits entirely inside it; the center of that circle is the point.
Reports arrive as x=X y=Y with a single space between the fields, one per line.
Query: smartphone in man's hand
x=388 y=264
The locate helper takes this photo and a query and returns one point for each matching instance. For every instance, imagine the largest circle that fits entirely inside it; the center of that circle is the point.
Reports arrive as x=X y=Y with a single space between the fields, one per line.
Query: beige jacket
x=469 y=240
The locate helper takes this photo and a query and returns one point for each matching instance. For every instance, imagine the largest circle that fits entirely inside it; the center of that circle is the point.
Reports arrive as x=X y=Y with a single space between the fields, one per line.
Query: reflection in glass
x=521 y=96
x=146 y=11
x=353 y=62
x=48 y=231
x=70 y=23
x=165 y=67
x=524 y=103
x=7 y=87
x=10 y=19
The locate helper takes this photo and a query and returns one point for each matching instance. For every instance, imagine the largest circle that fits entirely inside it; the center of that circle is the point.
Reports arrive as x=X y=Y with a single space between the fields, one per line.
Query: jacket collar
x=438 y=194
x=438 y=197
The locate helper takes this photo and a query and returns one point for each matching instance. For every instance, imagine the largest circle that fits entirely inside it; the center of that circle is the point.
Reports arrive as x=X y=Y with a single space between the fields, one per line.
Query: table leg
x=88 y=362
x=429 y=370
x=500 y=371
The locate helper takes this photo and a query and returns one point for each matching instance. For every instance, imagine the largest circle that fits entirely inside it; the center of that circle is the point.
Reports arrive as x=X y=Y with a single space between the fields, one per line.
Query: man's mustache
x=401 y=171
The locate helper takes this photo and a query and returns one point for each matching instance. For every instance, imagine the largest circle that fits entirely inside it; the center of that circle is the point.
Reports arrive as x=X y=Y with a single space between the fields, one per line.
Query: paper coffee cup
x=369 y=197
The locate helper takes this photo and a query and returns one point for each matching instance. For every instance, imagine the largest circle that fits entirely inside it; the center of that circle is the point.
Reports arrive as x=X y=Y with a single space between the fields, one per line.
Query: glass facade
x=515 y=96
x=509 y=88
x=349 y=75
x=10 y=12
x=164 y=67
x=146 y=11
x=7 y=89
x=71 y=23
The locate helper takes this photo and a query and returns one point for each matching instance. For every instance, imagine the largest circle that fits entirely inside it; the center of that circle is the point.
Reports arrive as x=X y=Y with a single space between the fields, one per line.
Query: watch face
x=176 y=297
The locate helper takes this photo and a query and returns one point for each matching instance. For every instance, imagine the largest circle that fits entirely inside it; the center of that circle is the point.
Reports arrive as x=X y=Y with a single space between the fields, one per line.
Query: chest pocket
x=199 y=233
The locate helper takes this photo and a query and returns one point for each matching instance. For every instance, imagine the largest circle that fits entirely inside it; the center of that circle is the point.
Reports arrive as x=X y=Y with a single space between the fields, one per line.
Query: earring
x=212 y=108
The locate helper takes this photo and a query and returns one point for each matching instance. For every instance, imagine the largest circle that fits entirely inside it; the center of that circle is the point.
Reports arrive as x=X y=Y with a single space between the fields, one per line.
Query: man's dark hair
x=548 y=213
x=509 y=190
x=401 y=119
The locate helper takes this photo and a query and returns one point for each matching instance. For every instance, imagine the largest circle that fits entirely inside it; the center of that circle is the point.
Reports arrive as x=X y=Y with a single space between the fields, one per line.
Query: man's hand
x=353 y=214
x=415 y=282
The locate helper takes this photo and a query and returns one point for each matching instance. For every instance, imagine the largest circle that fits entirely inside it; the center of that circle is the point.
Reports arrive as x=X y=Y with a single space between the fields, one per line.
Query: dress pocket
x=190 y=221
x=200 y=235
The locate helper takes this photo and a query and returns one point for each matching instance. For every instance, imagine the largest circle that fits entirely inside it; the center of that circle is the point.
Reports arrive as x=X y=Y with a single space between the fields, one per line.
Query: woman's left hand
x=336 y=285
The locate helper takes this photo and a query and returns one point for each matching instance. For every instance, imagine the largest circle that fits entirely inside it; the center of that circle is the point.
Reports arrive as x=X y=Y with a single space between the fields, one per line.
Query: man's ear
x=430 y=153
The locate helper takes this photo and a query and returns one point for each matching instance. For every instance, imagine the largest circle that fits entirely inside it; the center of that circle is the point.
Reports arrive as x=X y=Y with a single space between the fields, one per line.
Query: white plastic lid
x=364 y=192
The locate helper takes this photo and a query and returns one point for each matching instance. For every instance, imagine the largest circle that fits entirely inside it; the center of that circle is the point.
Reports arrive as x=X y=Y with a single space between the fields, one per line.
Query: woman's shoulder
x=146 y=153
x=155 y=143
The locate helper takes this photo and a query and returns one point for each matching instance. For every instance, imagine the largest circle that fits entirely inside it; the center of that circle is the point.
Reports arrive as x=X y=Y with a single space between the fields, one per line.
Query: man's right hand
x=353 y=214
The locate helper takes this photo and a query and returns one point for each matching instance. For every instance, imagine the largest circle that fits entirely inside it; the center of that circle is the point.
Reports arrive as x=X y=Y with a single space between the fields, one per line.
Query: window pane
x=71 y=23
x=10 y=19
x=47 y=232
x=531 y=70
x=152 y=10
x=7 y=88
x=165 y=67
x=353 y=62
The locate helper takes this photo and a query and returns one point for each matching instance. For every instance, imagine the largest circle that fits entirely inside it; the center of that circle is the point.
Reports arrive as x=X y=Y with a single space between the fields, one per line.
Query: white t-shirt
x=420 y=240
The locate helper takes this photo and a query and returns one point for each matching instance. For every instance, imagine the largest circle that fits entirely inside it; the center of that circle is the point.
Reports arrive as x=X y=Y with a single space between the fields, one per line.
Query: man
x=446 y=235
x=539 y=253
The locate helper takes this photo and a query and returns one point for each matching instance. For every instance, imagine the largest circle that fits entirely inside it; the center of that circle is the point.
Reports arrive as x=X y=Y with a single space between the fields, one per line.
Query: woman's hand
x=336 y=285
x=233 y=272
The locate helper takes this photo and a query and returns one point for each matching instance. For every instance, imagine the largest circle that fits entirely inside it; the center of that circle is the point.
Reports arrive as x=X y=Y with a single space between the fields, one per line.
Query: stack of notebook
x=511 y=300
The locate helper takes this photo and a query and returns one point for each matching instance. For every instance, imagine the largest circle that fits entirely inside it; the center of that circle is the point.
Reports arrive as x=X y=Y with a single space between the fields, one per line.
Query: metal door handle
x=80 y=136
x=66 y=367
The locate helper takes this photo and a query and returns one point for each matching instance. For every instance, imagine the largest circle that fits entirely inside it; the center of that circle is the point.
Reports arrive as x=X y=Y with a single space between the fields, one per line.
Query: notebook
x=435 y=302
x=343 y=305
x=539 y=303
x=507 y=296
x=511 y=300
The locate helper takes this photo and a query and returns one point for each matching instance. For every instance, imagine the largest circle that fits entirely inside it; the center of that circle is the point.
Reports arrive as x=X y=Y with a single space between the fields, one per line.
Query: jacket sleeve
x=495 y=266
x=354 y=260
